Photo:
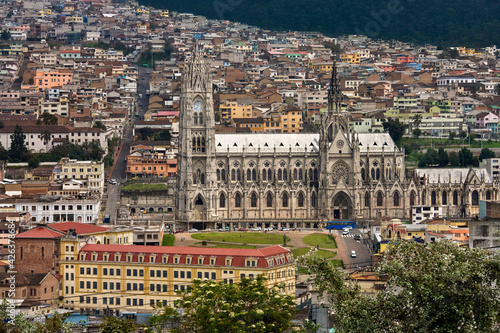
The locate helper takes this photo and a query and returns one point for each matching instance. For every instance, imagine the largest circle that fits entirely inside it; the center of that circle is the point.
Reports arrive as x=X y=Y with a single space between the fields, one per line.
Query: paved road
x=363 y=255
x=119 y=172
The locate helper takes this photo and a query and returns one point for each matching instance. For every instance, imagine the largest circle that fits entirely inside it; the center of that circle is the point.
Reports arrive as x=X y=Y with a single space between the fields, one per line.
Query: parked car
x=193 y=230
x=178 y=231
x=269 y=229
x=345 y=232
x=242 y=229
x=353 y=254
x=257 y=229
x=112 y=181
x=357 y=237
x=285 y=229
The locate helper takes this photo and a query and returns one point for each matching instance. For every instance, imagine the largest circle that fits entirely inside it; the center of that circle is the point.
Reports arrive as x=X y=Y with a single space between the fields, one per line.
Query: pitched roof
x=80 y=228
x=238 y=256
x=40 y=232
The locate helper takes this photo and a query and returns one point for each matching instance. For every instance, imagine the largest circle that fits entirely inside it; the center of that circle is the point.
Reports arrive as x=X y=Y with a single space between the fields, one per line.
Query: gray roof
x=267 y=142
x=376 y=142
x=458 y=175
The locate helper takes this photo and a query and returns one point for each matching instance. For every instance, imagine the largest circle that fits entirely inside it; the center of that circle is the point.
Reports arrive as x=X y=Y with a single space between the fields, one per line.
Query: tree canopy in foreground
x=437 y=287
x=248 y=306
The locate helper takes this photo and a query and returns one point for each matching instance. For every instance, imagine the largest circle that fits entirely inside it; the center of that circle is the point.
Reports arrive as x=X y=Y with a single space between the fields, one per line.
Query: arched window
x=455 y=198
x=314 y=199
x=295 y=174
x=254 y=175
x=218 y=174
x=280 y=174
x=396 y=199
x=423 y=197
x=264 y=174
x=300 y=174
x=222 y=200
x=237 y=200
x=380 y=199
x=412 y=198
x=285 y=174
x=315 y=174
x=475 y=198
x=200 y=118
x=202 y=178
x=488 y=195
x=300 y=200
x=367 y=199
x=285 y=200
x=269 y=200
x=433 y=198
x=310 y=174
x=233 y=175
x=373 y=174
x=363 y=173
x=444 y=198
x=249 y=175
x=223 y=175
x=378 y=173
x=238 y=175
x=253 y=200
x=269 y=175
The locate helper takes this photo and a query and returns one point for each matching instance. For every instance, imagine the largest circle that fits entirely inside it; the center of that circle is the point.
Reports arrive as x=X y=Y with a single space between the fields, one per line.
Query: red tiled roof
x=40 y=232
x=80 y=228
x=238 y=256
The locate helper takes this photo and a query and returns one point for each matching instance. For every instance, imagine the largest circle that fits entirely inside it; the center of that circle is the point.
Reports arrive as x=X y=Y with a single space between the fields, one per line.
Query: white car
x=353 y=254
x=345 y=232
x=257 y=229
x=193 y=230
x=112 y=182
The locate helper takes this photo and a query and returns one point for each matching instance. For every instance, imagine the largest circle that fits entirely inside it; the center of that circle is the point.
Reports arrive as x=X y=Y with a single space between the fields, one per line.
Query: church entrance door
x=199 y=208
x=342 y=207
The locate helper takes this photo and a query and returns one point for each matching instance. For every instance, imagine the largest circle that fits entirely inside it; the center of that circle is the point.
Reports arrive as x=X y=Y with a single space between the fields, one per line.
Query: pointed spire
x=334 y=93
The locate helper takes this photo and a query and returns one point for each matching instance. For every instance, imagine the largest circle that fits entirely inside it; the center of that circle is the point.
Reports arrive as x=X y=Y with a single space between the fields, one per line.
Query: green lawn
x=241 y=237
x=321 y=253
x=447 y=143
x=227 y=246
x=168 y=240
x=320 y=239
x=144 y=187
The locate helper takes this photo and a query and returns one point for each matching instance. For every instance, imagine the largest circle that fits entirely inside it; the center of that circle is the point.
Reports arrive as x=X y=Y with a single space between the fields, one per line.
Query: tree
x=435 y=287
x=497 y=88
x=99 y=124
x=395 y=128
x=117 y=325
x=417 y=132
x=47 y=119
x=33 y=162
x=454 y=159
x=46 y=136
x=248 y=306
x=18 y=150
x=465 y=157
x=452 y=136
x=442 y=157
x=417 y=120
x=55 y=323
x=5 y=35
x=145 y=133
x=431 y=157
x=463 y=134
x=486 y=153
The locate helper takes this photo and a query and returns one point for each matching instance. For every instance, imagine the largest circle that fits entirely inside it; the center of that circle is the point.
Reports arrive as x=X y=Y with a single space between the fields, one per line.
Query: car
x=178 y=231
x=357 y=237
x=257 y=229
x=285 y=229
x=269 y=229
x=242 y=229
x=193 y=230
x=353 y=254
x=345 y=232
x=112 y=181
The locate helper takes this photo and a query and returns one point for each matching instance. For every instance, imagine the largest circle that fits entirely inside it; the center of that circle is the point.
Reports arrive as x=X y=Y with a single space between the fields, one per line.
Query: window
x=285 y=200
x=237 y=200
x=488 y=195
x=380 y=199
x=300 y=200
x=455 y=198
x=314 y=199
x=444 y=198
x=396 y=199
x=433 y=198
x=269 y=200
x=475 y=198
x=253 y=200
x=412 y=198
x=222 y=201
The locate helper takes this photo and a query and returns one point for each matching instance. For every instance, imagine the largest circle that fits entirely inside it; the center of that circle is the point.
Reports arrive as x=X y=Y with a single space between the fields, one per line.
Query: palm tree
x=417 y=120
x=46 y=136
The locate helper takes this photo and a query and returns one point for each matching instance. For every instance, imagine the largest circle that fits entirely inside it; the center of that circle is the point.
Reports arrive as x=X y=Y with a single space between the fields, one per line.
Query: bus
x=338 y=225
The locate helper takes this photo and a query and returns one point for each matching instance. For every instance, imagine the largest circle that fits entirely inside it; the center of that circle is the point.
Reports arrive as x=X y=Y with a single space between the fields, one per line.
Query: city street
x=363 y=255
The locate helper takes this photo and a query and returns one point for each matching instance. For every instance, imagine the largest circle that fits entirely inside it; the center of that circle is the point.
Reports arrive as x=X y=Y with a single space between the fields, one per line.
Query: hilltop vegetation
x=441 y=22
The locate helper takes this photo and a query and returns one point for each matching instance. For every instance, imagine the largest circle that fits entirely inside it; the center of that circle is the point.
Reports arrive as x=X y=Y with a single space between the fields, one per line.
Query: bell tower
x=196 y=189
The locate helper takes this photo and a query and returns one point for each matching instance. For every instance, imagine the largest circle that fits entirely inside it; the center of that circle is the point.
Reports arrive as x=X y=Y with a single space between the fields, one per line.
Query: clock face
x=198 y=106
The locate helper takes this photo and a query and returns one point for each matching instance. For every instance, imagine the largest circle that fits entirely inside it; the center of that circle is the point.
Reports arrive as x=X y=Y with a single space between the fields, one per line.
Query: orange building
x=50 y=78
x=140 y=164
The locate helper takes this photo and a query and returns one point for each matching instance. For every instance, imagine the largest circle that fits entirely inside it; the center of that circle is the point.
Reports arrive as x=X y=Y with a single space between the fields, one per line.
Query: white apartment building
x=421 y=213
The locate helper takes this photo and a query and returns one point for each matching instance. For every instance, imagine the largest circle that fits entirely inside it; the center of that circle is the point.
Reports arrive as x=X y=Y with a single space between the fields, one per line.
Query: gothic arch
x=412 y=197
x=395 y=198
x=380 y=199
x=237 y=200
x=253 y=200
x=222 y=200
x=284 y=200
x=341 y=206
x=300 y=199
x=269 y=200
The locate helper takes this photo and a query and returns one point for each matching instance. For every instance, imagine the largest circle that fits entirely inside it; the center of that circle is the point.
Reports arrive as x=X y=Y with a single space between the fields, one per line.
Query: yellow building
x=90 y=173
x=231 y=110
x=74 y=19
x=165 y=13
x=353 y=58
x=134 y=278
x=291 y=120
x=321 y=66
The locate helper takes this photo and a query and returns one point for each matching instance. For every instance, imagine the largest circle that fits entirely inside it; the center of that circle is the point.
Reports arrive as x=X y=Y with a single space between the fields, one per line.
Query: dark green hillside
x=472 y=23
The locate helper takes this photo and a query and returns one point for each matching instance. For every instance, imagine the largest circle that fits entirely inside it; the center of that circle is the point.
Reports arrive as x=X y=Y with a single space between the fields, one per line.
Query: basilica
x=302 y=180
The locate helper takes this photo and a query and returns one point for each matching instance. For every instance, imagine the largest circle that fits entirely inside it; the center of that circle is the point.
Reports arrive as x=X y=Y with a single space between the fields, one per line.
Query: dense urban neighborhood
x=155 y=166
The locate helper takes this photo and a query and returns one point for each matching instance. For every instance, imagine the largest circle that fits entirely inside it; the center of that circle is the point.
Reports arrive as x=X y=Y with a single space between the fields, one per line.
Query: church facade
x=294 y=180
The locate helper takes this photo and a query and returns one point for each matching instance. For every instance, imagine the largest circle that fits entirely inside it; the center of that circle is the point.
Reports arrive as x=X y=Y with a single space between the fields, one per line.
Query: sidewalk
x=341 y=250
